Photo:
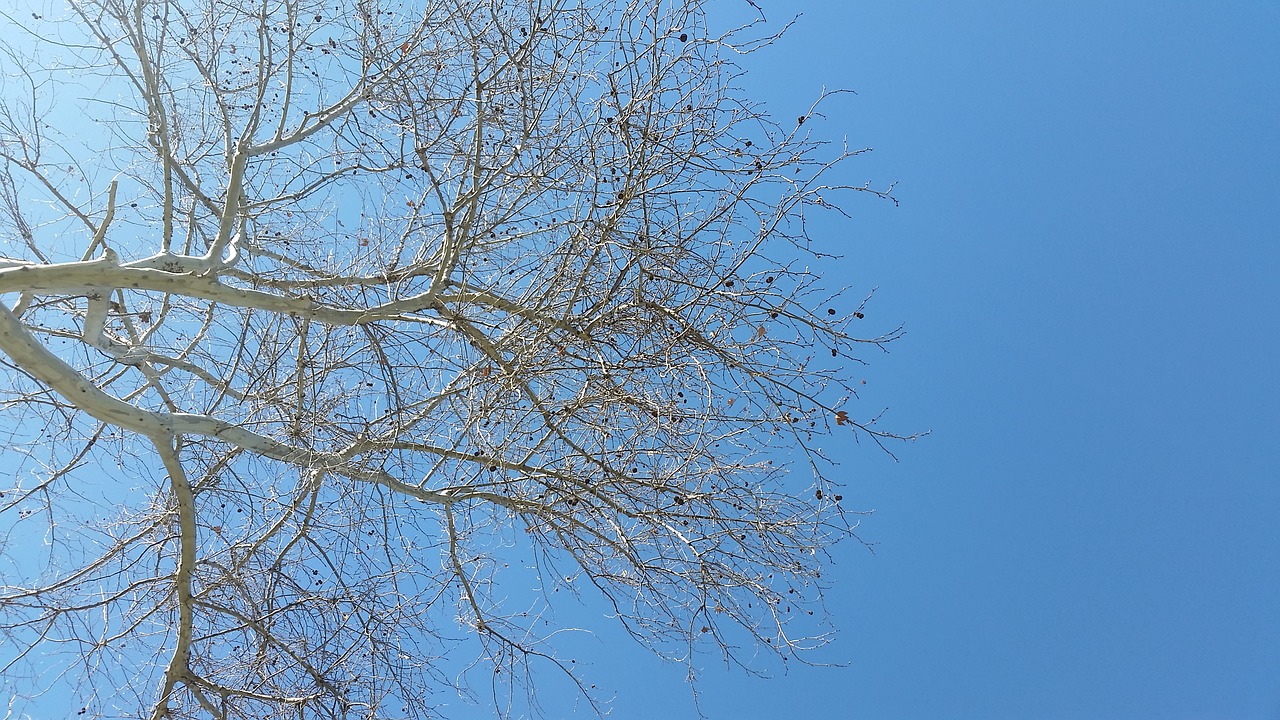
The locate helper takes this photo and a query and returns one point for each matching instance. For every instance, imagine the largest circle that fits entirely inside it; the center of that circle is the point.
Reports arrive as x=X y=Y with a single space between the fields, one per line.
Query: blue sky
x=1086 y=258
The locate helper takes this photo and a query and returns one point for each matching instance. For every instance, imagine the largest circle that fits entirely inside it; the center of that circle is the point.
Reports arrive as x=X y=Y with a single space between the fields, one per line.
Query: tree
x=315 y=314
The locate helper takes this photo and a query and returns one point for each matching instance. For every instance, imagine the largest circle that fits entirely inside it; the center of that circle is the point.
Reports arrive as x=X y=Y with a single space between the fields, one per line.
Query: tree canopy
x=314 y=315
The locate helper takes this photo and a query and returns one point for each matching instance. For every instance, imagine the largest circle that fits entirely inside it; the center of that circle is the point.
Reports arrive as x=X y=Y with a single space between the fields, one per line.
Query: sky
x=1086 y=257
x=1087 y=260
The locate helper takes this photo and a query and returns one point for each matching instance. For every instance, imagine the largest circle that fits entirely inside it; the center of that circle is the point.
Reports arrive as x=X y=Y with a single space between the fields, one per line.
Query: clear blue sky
x=1087 y=258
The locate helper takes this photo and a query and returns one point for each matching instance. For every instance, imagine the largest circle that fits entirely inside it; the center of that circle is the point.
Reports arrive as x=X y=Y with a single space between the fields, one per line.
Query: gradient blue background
x=1086 y=258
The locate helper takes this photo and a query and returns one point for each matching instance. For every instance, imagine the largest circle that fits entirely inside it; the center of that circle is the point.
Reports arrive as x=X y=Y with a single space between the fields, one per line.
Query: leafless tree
x=339 y=336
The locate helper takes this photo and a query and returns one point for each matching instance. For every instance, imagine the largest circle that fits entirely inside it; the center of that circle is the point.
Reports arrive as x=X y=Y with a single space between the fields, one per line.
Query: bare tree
x=318 y=316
